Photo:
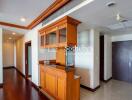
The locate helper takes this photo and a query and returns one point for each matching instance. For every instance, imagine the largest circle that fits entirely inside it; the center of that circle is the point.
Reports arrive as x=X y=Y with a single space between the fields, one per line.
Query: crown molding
x=13 y=25
x=50 y=10
x=58 y=4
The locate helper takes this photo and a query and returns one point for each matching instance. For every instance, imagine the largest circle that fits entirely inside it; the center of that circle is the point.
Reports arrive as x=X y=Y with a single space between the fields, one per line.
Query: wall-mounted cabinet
x=42 y=38
x=50 y=38
x=61 y=33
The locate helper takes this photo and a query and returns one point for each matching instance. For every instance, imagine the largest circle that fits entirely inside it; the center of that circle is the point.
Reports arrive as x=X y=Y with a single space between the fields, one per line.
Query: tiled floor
x=113 y=90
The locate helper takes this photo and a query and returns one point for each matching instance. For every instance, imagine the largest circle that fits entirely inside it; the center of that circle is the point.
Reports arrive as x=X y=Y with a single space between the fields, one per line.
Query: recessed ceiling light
x=23 y=19
x=13 y=33
x=10 y=38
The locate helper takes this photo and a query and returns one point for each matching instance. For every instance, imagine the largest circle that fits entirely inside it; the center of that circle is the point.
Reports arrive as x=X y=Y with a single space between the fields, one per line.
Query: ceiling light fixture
x=10 y=38
x=14 y=33
x=23 y=19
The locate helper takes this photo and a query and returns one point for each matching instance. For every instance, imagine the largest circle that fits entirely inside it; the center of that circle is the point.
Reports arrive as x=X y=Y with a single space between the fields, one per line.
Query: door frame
x=26 y=58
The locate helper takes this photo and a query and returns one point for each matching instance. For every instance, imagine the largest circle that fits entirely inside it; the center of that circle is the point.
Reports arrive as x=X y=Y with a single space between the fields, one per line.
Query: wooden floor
x=17 y=88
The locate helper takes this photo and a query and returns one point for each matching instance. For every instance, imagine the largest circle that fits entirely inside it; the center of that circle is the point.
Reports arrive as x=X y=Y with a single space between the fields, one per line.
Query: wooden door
x=122 y=60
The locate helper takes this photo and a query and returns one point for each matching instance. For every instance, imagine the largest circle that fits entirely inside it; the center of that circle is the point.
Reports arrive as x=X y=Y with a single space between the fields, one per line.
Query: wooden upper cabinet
x=61 y=33
x=42 y=38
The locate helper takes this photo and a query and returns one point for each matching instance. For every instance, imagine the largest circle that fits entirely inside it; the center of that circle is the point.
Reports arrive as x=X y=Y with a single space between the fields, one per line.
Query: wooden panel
x=60 y=56
x=13 y=25
x=61 y=87
x=42 y=77
x=51 y=83
x=72 y=34
x=62 y=26
x=76 y=89
x=51 y=30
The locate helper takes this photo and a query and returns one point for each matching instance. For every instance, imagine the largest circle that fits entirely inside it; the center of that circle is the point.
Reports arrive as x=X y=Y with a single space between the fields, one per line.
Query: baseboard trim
x=1 y=85
x=90 y=89
x=106 y=81
x=8 y=67
x=38 y=88
x=20 y=72
x=35 y=86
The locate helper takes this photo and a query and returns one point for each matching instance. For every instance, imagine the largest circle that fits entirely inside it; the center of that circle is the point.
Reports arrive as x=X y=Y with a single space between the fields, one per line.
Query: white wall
x=1 y=61
x=96 y=60
x=87 y=58
x=122 y=37
x=20 y=54
x=15 y=54
x=107 y=57
x=8 y=53
x=33 y=37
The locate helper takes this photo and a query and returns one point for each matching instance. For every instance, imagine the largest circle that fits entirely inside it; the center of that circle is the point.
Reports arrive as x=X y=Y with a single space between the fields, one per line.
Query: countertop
x=57 y=66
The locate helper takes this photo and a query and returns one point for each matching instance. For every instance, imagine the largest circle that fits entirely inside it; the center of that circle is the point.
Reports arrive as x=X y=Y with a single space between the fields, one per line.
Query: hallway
x=17 y=88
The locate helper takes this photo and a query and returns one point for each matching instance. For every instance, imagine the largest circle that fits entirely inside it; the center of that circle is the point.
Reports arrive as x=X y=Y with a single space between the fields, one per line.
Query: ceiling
x=97 y=14
x=12 y=10
x=8 y=34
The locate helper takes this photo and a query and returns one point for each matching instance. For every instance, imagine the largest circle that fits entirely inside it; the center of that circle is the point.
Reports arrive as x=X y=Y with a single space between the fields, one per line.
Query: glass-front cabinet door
x=62 y=35
x=42 y=42
x=51 y=38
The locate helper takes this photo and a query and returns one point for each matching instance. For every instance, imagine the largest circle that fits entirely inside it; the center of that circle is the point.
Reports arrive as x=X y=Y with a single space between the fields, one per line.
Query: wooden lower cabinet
x=60 y=84
x=50 y=82
x=42 y=82
x=61 y=88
